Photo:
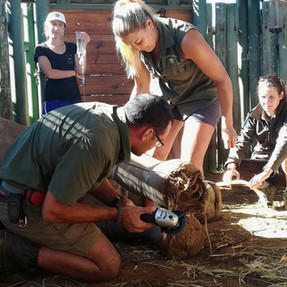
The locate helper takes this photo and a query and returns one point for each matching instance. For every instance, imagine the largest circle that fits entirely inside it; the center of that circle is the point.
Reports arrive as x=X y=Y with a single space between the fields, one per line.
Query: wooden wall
x=240 y=34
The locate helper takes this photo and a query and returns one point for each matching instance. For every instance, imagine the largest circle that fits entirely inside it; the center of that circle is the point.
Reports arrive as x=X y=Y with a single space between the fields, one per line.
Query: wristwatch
x=116 y=200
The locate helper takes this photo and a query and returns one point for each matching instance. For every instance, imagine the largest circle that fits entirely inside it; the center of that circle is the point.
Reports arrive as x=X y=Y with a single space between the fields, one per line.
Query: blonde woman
x=191 y=77
x=59 y=62
x=266 y=125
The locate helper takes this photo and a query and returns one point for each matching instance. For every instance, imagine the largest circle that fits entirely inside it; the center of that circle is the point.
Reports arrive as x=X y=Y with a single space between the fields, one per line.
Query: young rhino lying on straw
x=175 y=185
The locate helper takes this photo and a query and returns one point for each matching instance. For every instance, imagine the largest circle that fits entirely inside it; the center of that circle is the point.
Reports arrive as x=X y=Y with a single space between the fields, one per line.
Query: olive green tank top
x=181 y=82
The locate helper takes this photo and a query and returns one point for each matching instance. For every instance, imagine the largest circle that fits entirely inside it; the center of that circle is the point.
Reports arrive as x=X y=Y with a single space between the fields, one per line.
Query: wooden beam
x=5 y=99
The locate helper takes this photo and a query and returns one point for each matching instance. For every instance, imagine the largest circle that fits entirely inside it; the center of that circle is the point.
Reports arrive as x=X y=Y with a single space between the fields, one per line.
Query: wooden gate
x=248 y=36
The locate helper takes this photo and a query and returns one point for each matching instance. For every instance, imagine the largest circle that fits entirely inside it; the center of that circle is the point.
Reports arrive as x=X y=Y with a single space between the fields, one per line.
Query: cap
x=56 y=16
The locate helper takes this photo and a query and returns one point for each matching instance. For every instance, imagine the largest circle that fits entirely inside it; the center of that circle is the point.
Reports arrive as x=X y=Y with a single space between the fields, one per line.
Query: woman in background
x=59 y=62
x=191 y=77
x=267 y=125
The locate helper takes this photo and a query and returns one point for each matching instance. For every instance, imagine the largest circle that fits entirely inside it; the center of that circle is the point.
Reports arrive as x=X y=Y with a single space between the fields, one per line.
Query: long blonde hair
x=129 y=16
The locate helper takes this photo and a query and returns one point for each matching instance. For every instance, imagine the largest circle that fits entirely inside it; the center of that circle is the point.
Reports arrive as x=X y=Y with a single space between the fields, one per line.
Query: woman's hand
x=258 y=179
x=85 y=37
x=228 y=176
x=230 y=173
x=229 y=137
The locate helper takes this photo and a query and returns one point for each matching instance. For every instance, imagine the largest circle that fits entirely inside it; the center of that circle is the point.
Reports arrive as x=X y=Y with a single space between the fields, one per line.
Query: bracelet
x=116 y=200
x=120 y=215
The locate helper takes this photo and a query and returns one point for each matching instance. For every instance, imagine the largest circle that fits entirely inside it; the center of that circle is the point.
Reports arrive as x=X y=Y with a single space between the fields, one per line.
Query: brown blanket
x=9 y=131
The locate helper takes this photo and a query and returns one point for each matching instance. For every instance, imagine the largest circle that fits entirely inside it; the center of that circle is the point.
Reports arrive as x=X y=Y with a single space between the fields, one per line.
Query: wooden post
x=210 y=161
x=220 y=49
x=33 y=95
x=254 y=48
x=232 y=66
x=209 y=28
x=42 y=10
x=199 y=16
x=283 y=47
x=243 y=60
x=5 y=92
x=269 y=48
x=15 y=22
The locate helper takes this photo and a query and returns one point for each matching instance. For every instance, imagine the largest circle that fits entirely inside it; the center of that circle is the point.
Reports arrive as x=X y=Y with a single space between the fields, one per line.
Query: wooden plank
x=100 y=21
x=282 y=40
x=220 y=49
x=110 y=84
x=118 y=100
x=269 y=51
x=5 y=90
x=104 y=74
x=209 y=29
x=232 y=65
x=210 y=159
x=254 y=49
x=104 y=44
x=243 y=54
x=105 y=69
x=199 y=17
x=184 y=15
x=101 y=52
x=96 y=21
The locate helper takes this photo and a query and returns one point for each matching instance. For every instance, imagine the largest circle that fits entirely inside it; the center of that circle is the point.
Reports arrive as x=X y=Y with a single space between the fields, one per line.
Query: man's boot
x=17 y=254
x=2 y=226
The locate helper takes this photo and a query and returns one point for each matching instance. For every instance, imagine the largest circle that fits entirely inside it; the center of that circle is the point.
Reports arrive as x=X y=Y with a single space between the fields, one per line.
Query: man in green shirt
x=64 y=157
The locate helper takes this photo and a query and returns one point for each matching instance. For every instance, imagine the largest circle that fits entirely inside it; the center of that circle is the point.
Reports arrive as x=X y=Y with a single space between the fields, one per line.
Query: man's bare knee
x=110 y=271
x=80 y=268
x=106 y=259
x=102 y=272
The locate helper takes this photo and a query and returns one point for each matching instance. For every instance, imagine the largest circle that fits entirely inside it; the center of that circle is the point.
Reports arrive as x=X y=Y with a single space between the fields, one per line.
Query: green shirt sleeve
x=83 y=163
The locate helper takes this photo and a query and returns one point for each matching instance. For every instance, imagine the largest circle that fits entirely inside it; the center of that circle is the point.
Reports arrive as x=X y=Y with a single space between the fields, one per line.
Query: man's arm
x=106 y=193
x=141 y=82
x=279 y=153
x=194 y=47
x=55 y=211
x=51 y=73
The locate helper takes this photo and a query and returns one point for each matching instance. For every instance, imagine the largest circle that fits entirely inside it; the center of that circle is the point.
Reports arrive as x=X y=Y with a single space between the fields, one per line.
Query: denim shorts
x=209 y=115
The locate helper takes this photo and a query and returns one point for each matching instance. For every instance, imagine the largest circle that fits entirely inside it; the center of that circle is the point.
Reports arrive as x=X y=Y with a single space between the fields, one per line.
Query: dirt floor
x=246 y=247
